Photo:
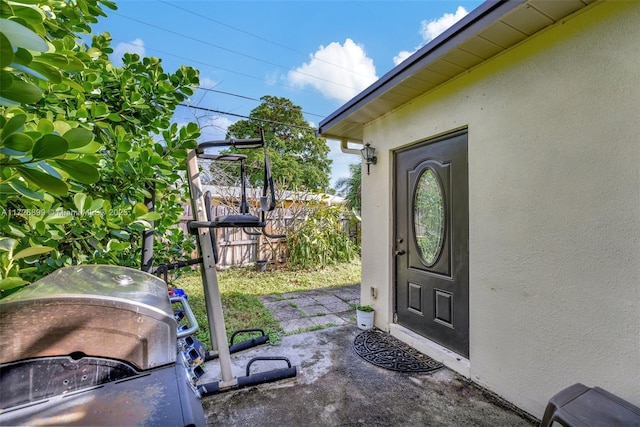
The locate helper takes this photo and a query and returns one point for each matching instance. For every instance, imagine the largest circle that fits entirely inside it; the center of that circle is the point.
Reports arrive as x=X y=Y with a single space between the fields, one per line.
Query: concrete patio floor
x=335 y=387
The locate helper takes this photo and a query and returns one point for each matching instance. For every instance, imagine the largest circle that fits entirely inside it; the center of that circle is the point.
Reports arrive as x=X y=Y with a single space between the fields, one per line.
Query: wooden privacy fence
x=240 y=247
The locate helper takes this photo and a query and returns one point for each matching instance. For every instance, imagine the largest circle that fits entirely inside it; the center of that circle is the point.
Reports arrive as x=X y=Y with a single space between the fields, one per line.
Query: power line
x=230 y=26
x=251 y=99
x=226 y=113
x=227 y=70
x=195 y=61
x=230 y=50
x=240 y=30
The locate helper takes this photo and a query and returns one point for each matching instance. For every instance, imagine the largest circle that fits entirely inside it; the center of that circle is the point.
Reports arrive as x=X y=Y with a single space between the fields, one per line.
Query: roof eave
x=476 y=21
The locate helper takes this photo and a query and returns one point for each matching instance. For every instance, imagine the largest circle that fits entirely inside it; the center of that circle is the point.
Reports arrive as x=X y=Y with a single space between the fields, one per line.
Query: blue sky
x=318 y=54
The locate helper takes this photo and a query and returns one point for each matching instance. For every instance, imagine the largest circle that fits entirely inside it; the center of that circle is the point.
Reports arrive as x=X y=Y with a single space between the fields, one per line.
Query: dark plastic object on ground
x=242 y=345
x=254 y=379
x=579 y=405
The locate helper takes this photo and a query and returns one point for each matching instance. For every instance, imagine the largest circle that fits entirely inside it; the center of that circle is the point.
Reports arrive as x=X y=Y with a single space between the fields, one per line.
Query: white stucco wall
x=554 y=207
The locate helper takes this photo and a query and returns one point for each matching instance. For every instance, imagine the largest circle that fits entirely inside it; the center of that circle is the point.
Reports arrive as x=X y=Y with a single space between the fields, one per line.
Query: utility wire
x=240 y=30
x=227 y=70
x=226 y=113
x=251 y=99
x=195 y=61
x=230 y=50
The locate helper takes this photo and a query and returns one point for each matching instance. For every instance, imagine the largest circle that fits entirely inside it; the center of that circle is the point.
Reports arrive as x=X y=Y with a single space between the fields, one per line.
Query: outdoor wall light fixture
x=369 y=155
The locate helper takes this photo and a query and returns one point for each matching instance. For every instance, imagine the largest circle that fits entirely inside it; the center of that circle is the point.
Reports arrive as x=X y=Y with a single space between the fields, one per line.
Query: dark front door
x=432 y=241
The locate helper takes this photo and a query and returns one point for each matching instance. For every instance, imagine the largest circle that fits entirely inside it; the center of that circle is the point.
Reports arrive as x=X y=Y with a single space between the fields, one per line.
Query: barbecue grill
x=107 y=345
x=96 y=345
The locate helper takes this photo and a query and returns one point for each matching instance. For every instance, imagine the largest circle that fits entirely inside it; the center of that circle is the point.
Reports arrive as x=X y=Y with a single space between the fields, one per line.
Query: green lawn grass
x=240 y=289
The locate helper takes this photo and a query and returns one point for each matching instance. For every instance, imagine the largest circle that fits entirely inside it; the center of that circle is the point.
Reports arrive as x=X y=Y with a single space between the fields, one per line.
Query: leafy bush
x=82 y=143
x=320 y=239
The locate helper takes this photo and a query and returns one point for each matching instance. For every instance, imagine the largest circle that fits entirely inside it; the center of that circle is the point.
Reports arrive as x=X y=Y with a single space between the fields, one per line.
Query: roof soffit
x=488 y=30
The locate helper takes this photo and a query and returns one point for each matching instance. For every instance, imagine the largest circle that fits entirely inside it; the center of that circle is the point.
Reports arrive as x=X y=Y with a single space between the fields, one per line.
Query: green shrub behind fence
x=321 y=239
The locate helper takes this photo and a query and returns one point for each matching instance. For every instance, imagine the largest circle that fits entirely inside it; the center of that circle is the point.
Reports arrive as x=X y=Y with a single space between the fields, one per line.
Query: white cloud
x=134 y=46
x=402 y=56
x=207 y=83
x=338 y=71
x=272 y=78
x=429 y=30
x=215 y=128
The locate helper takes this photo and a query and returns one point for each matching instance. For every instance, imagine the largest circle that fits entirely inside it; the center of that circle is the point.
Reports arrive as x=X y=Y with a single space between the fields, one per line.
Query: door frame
x=455 y=361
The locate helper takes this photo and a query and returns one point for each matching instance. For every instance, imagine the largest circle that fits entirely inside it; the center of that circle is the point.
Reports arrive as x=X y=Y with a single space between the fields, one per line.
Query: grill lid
x=99 y=310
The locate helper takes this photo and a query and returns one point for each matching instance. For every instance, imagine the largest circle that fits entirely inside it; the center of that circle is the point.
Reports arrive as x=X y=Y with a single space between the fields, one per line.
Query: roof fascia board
x=476 y=21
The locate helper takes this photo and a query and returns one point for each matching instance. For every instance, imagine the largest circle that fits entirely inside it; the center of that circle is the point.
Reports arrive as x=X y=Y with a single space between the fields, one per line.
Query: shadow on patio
x=334 y=386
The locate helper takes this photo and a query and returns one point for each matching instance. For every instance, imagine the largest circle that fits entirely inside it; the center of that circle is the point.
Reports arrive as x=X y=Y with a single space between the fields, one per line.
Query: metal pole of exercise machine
x=217 y=329
x=147 y=235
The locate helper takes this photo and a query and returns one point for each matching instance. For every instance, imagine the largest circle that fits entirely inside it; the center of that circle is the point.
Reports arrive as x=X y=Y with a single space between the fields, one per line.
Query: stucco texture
x=554 y=207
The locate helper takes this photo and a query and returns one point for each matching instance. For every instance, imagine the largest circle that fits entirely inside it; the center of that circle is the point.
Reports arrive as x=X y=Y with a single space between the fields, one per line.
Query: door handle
x=400 y=252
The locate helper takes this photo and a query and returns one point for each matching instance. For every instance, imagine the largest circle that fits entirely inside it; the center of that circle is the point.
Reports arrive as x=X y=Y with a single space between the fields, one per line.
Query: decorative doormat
x=381 y=349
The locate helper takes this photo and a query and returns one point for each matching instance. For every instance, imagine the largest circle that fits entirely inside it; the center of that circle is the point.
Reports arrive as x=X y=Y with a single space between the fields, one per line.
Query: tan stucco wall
x=554 y=207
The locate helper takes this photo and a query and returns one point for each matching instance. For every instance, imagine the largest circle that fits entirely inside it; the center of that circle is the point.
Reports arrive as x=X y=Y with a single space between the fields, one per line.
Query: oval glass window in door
x=429 y=217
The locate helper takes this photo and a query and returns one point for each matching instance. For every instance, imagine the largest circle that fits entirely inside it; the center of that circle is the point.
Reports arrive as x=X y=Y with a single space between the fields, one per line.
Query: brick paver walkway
x=318 y=308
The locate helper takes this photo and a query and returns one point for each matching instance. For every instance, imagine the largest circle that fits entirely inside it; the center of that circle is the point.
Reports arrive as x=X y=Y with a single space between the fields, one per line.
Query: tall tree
x=299 y=159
